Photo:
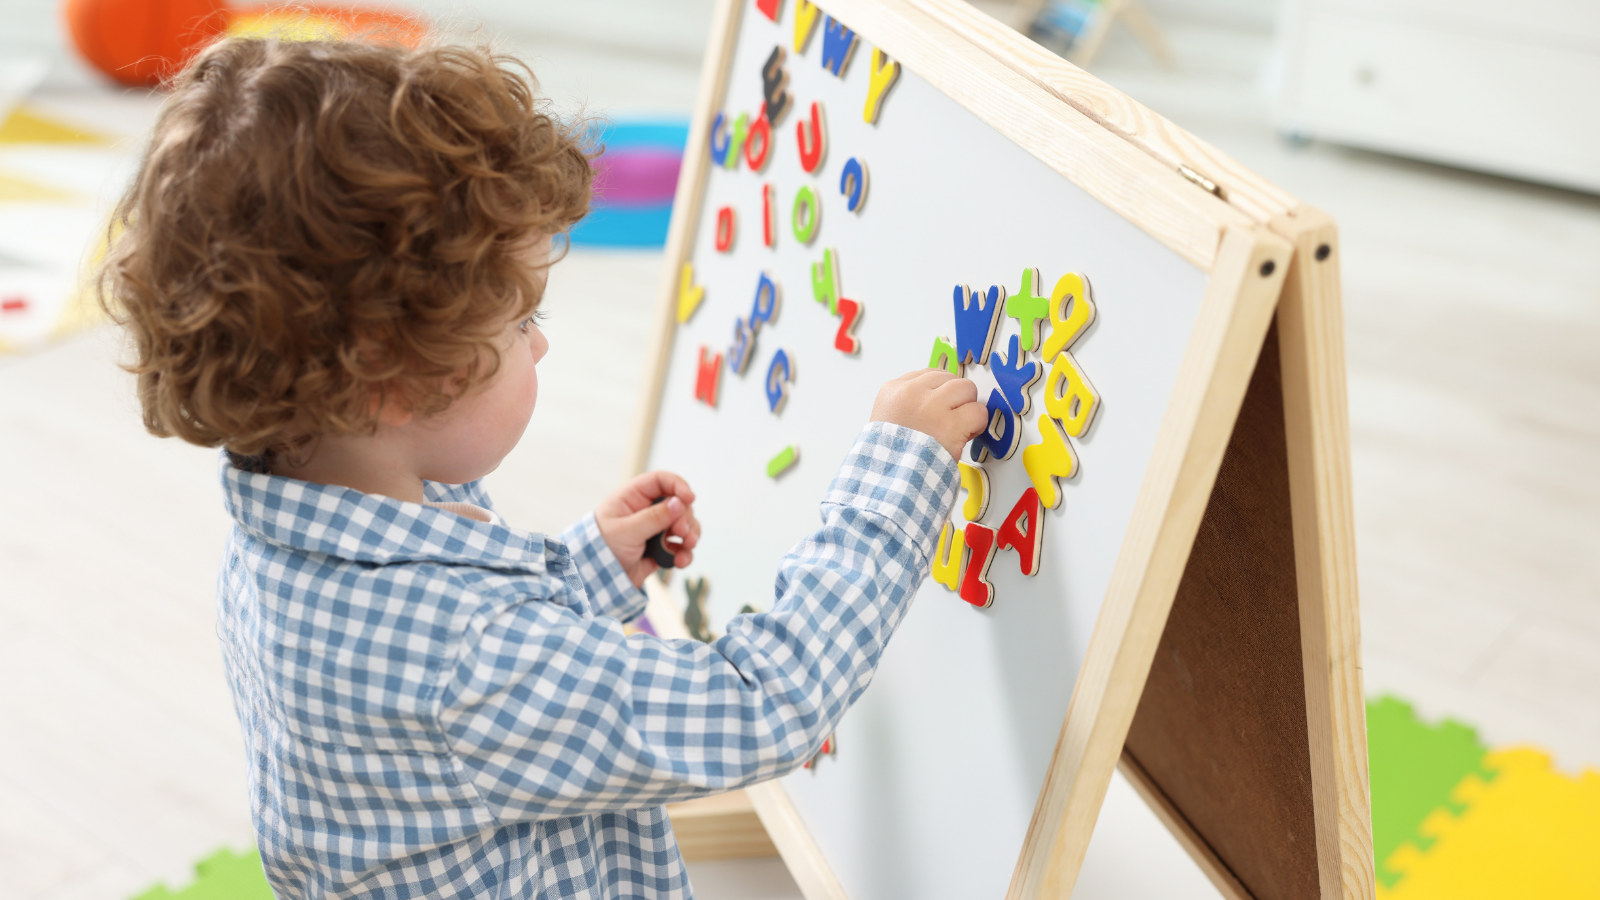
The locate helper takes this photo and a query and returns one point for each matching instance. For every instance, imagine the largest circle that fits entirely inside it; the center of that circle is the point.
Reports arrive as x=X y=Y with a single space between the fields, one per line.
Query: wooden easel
x=1021 y=14
x=1228 y=688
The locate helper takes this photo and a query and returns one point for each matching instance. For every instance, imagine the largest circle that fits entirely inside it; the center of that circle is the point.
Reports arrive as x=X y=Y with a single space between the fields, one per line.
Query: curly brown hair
x=319 y=224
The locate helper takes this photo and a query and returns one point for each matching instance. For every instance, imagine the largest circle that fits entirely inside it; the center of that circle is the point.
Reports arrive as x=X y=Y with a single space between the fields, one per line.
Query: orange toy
x=140 y=42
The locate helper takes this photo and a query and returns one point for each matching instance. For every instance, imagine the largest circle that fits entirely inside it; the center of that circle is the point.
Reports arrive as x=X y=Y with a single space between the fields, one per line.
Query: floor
x=1472 y=306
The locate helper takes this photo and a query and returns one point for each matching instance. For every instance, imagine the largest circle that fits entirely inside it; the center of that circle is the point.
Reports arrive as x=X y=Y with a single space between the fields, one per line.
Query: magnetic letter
x=1028 y=309
x=769 y=215
x=825 y=281
x=760 y=136
x=1048 y=460
x=779 y=374
x=774 y=80
x=807 y=214
x=779 y=464
x=1069 y=396
x=977 y=322
x=849 y=315
x=805 y=22
x=744 y=347
x=975 y=586
x=944 y=357
x=1023 y=530
x=765 y=307
x=853 y=184
x=741 y=128
x=707 y=377
x=727 y=225
x=770 y=8
x=975 y=481
x=689 y=293
x=694 y=617
x=1016 y=374
x=838 y=45
x=1071 y=311
x=885 y=72
x=719 y=149
x=1004 y=433
x=948 y=558
x=812 y=150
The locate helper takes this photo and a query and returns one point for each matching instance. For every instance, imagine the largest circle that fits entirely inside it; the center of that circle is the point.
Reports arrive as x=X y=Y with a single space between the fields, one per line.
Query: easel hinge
x=1206 y=184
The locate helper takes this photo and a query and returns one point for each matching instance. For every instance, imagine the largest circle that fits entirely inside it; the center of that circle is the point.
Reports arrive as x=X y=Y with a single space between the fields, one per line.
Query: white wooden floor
x=1473 y=311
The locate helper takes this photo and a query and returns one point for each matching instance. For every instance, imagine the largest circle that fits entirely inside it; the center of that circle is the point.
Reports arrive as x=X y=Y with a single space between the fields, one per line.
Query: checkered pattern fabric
x=438 y=707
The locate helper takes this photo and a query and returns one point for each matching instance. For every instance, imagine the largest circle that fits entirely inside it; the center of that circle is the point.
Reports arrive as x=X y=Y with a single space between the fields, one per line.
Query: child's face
x=470 y=438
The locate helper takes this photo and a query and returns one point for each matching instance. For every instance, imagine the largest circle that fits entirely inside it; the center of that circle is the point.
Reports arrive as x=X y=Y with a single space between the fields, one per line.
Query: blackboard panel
x=1221 y=728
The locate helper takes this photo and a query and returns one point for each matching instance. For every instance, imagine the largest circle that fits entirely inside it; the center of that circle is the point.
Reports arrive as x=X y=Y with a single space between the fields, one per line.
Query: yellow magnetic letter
x=975 y=481
x=948 y=559
x=884 y=73
x=1048 y=460
x=689 y=294
x=1071 y=311
x=1069 y=396
x=805 y=22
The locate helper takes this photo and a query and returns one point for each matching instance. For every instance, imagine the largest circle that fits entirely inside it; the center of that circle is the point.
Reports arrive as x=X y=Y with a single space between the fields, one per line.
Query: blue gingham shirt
x=439 y=707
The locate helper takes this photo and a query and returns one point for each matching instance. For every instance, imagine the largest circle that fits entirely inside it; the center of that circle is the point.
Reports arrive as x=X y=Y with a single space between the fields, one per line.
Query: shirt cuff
x=609 y=588
x=904 y=476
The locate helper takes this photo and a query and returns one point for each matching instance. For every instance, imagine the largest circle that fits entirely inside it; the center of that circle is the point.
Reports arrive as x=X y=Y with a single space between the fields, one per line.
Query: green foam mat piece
x=1414 y=768
x=224 y=875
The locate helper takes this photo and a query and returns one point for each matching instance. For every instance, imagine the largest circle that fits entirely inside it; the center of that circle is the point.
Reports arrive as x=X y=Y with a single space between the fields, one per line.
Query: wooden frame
x=1262 y=386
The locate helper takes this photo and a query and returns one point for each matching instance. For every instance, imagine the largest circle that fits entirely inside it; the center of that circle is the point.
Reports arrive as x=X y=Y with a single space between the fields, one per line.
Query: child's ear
x=390 y=407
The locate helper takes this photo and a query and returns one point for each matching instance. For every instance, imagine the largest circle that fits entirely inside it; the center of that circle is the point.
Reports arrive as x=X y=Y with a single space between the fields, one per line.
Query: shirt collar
x=348 y=524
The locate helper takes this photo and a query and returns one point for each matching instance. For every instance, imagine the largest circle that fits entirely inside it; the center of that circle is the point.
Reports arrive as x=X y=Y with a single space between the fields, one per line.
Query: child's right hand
x=935 y=403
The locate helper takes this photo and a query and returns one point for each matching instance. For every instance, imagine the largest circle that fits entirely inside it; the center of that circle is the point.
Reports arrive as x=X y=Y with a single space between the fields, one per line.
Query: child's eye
x=525 y=324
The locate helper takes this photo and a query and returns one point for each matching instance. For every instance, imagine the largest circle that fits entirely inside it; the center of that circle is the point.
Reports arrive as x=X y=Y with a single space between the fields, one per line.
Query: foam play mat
x=1454 y=820
x=55 y=182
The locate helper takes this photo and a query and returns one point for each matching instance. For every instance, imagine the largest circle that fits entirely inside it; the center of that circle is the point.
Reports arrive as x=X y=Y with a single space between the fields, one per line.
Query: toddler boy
x=330 y=265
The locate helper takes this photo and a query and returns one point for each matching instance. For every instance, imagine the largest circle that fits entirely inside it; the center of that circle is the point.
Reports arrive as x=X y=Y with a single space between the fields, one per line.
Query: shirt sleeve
x=607 y=583
x=551 y=714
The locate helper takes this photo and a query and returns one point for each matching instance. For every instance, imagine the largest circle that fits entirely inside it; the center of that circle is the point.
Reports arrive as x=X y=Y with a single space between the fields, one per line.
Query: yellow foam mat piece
x=16 y=189
x=1531 y=833
x=26 y=126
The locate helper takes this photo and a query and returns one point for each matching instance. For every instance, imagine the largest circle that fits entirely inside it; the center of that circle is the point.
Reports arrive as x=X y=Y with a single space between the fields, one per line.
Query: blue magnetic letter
x=1002 y=420
x=1016 y=375
x=977 y=322
x=838 y=44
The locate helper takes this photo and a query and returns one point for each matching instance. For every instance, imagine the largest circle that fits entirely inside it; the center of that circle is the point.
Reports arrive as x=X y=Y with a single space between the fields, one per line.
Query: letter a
x=1024 y=530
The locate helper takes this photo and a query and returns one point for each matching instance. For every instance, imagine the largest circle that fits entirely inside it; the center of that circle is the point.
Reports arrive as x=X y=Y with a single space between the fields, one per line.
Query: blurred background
x=1456 y=144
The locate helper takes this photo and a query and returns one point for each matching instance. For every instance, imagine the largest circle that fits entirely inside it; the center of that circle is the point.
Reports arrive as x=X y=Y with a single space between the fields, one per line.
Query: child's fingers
x=653 y=519
x=655 y=484
x=956 y=391
x=973 y=418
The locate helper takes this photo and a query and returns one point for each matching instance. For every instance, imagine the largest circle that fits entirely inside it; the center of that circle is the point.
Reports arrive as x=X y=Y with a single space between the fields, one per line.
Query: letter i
x=769 y=215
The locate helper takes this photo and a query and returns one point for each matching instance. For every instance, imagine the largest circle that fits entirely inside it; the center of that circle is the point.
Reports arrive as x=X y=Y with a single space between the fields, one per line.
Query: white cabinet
x=1507 y=88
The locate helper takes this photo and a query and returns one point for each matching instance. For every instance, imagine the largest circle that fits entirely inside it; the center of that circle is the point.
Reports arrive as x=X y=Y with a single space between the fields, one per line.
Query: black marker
x=656 y=547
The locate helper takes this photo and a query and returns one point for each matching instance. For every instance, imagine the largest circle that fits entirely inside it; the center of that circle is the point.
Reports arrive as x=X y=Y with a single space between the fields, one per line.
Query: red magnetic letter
x=707 y=378
x=849 y=315
x=1023 y=530
x=975 y=586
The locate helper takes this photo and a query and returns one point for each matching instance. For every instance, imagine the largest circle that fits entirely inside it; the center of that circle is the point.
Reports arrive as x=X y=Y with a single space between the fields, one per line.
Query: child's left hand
x=631 y=516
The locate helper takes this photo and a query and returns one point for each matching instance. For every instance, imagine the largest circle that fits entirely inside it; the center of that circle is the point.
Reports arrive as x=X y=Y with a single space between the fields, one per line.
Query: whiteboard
x=941 y=762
